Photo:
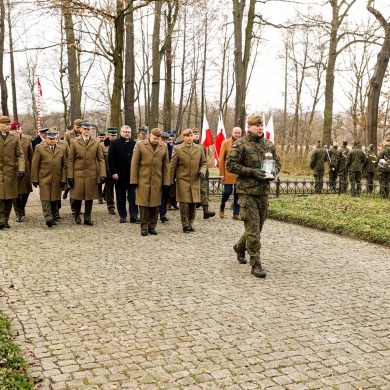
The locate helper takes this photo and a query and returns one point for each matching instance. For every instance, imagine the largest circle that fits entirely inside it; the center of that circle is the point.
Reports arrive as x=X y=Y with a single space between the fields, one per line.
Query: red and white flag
x=269 y=130
x=39 y=86
x=206 y=138
x=221 y=136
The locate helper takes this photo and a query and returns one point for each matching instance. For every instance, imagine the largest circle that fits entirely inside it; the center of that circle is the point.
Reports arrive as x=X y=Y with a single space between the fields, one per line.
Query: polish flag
x=269 y=130
x=221 y=136
x=39 y=86
x=206 y=138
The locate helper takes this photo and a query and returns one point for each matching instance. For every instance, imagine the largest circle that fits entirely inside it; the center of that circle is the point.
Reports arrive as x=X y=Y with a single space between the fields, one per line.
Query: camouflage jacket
x=384 y=154
x=318 y=159
x=333 y=156
x=371 y=162
x=247 y=153
x=342 y=158
x=355 y=160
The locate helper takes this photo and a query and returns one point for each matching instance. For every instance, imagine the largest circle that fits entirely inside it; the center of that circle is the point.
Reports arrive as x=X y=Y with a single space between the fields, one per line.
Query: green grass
x=13 y=369
x=363 y=218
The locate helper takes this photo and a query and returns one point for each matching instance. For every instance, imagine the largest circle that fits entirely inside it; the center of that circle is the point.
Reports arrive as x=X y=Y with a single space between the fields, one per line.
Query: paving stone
x=178 y=312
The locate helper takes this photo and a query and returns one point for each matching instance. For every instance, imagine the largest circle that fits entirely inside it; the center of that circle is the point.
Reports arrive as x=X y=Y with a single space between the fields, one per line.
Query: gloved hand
x=166 y=187
x=62 y=184
x=35 y=184
x=21 y=175
x=134 y=186
x=201 y=175
x=102 y=179
x=258 y=174
x=71 y=183
x=65 y=195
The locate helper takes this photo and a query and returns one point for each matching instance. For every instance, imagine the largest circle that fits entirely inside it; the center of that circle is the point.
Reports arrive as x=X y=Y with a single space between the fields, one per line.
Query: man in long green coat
x=149 y=174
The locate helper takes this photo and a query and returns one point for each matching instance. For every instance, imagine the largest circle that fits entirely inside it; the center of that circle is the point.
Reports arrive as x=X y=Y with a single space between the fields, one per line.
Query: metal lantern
x=269 y=166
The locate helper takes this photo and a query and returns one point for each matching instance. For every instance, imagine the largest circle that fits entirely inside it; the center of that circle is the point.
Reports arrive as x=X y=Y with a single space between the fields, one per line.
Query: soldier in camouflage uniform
x=332 y=162
x=355 y=162
x=384 y=173
x=342 y=171
x=369 y=167
x=244 y=159
x=317 y=161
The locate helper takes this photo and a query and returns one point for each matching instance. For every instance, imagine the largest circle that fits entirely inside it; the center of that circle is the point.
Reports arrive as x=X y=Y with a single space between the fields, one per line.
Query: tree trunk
x=377 y=78
x=3 y=84
x=73 y=64
x=12 y=65
x=129 y=95
x=167 y=119
x=156 y=66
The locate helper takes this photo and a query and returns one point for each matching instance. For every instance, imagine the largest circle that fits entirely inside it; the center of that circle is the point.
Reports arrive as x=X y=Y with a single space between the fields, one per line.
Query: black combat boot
x=241 y=258
x=206 y=213
x=257 y=270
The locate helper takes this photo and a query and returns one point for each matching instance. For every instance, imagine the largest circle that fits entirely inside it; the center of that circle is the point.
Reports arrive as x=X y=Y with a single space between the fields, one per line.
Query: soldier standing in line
x=48 y=171
x=41 y=137
x=149 y=173
x=245 y=159
x=11 y=169
x=384 y=169
x=112 y=133
x=143 y=134
x=317 y=161
x=165 y=190
x=332 y=162
x=100 y=137
x=342 y=170
x=204 y=202
x=85 y=165
x=355 y=162
x=24 y=185
x=369 y=168
x=188 y=167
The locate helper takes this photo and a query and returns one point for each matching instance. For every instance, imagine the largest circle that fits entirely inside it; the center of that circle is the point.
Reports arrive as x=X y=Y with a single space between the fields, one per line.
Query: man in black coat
x=120 y=153
x=40 y=138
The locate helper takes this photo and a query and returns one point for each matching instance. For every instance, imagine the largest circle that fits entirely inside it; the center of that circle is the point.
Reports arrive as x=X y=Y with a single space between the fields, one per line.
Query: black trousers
x=124 y=192
x=87 y=211
x=20 y=204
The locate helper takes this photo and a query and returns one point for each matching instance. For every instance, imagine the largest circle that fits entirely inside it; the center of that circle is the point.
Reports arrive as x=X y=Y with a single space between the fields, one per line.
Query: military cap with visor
x=112 y=130
x=51 y=134
x=86 y=125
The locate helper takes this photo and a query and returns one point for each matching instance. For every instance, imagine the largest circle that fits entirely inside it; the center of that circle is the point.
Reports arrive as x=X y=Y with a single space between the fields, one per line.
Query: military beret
x=164 y=135
x=255 y=120
x=53 y=128
x=4 y=120
x=15 y=125
x=187 y=132
x=77 y=122
x=195 y=130
x=51 y=134
x=44 y=130
x=156 y=132
x=101 y=134
x=86 y=125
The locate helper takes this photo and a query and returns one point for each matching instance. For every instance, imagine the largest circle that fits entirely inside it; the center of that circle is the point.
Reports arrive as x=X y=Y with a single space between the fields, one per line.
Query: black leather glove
x=71 y=183
x=65 y=195
x=62 y=184
x=102 y=179
x=258 y=174
x=134 y=186
x=35 y=184
x=166 y=187
x=202 y=176
x=21 y=175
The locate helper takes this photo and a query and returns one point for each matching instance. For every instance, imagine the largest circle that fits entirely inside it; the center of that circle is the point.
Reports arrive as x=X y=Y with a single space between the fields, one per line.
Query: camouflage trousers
x=203 y=190
x=355 y=178
x=384 y=181
x=343 y=181
x=253 y=211
x=318 y=180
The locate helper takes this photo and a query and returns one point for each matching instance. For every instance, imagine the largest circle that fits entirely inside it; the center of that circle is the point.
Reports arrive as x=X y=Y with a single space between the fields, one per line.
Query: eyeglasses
x=126 y=131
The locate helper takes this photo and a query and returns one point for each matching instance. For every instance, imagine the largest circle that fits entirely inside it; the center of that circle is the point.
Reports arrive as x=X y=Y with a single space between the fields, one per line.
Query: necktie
x=86 y=141
x=52 y=148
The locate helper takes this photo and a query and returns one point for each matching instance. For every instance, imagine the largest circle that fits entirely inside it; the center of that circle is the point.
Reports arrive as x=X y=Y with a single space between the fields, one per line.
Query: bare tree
x=3 y=84
x=378 y=76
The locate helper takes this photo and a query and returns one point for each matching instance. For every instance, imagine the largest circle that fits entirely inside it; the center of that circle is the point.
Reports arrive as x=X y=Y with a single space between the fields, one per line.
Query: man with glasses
x=188 y=166
x=245 y=159
x=120 y=153
x=12 y=168
x=85 y=165
x=150 y=174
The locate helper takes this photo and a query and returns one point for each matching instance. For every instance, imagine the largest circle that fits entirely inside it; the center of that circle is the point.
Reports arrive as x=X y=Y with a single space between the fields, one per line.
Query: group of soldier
x=350 y=165
x=148 y=176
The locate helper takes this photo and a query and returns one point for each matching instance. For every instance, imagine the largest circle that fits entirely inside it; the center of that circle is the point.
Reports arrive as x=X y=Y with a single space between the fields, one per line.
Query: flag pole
x=39 y=105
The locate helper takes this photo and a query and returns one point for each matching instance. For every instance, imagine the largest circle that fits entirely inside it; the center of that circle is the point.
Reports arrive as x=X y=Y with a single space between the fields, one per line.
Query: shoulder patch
x=234 y=146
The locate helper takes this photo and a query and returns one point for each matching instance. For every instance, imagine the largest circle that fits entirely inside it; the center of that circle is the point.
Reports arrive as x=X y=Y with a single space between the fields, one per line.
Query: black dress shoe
x=191 y=228
x=49 y=224
x=7 y=225
x=57 y=217
x=187 y=229
x=112 y=212
x=78 y=220
x=163 y=219
x=152 y=231
x=19 y=218
x=1 y=225
x=144 y=232
x=88 y=223
x=122 y=220
x=53 y=222
x=135 y=220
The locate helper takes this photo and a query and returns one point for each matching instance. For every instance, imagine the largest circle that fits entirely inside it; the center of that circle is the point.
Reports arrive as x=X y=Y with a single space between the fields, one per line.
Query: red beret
x=15 y=125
